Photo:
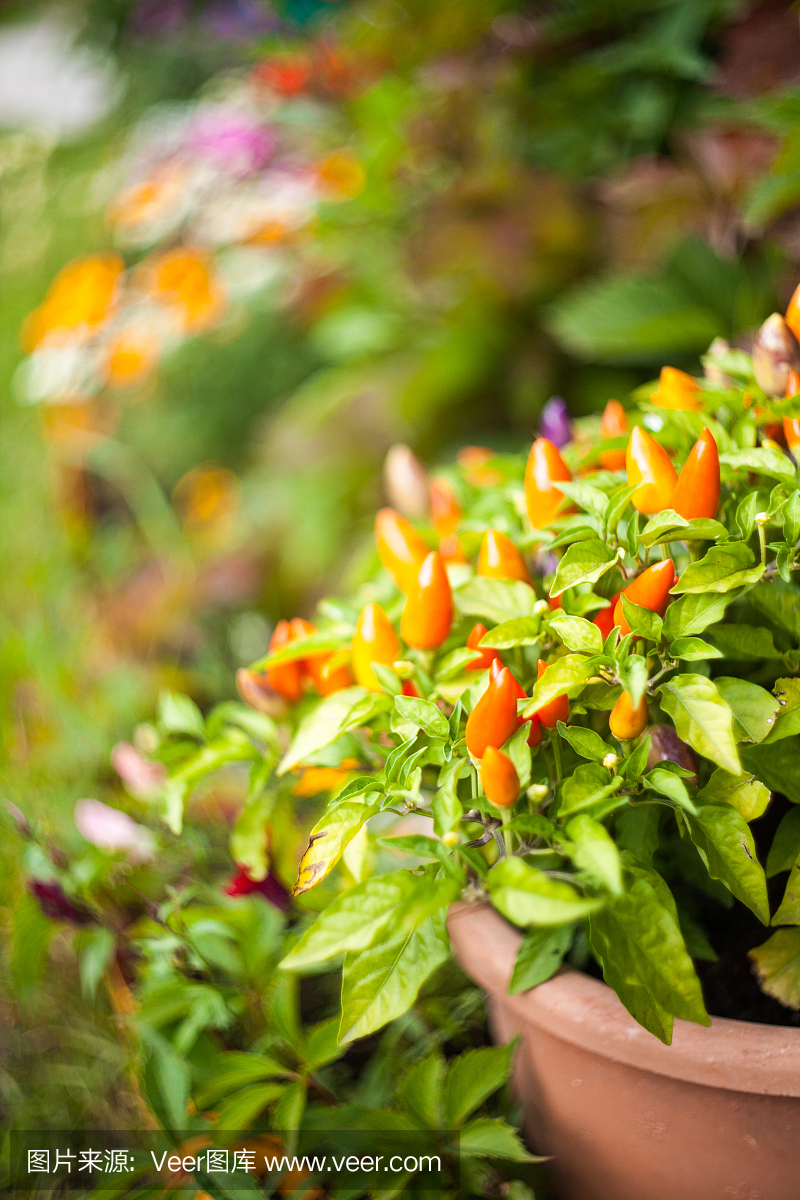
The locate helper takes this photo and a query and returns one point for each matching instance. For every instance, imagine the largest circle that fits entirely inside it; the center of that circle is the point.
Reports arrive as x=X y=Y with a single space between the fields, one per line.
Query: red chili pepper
x=545 y=469
x=557 y=710
x=400 y=548
x=697 y=490
x=494 y=718
x=676 y=389
x=614 y=424
x=445 y=509
x=428 y=614
x=374 y=641
x=286 y=678
x=648 y=464
x=791 y=425
x=487 y=657
x=499 y=778
x=649 y=590
x=625 y=721
x=499 y=558
x=604 y=619
x=410 y=689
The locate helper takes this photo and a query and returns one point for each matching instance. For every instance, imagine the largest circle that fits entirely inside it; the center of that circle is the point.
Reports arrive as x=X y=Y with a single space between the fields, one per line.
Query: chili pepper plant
x=566 y=694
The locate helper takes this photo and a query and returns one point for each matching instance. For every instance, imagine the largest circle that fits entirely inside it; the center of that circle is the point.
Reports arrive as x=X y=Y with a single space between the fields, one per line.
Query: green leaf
x=241 y=1110
x=753 y=707
x=702 y=718
x=632 y=768
x=421 y=1090
x=785 y=847
x=746 y=793
x=667 y=526
x=725 y=844
x=490 y=1138
x=791 y=518
x=539 y=957
x=526 y=896
x=351 y=922
x=593 y=851
x=789 y=909
x=618 y=502
x=472 y=1078
x=777 y=765
x=176 y=713
x=577 y=633
x=521 y=631
x=724 y=567
x=743 y=643
x=694 y=614
x=746 y=515
x=323 y=1045
x=235 y=1069
x=425 y=714
x=171 y=1076
x=666 y=783
x=763 y=461
x=498 y=600
x=584 y=562
x=588 y=784
x=288 y=1114
x=641 y=621
x=382 y=983
x=636 y=830
x=692 y=649
x=97 y=945
x=585 y=742
x=388 y=679
x=638 y=941
x=300 y=648
x=563 y=674
x=632 y=672
x=334 y=830
x=586 y=496
x=248 y=841
x=446 y=808
x=777 y=964
x=324 y=723
x=787 y=722
x=519 y=752
x=778 y=603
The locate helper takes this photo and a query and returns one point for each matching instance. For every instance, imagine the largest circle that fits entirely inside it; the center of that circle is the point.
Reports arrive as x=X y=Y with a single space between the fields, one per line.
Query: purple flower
x=231 y=140
x=240 y=20
x=554 y=423
x=152 y=17
x=56 y=904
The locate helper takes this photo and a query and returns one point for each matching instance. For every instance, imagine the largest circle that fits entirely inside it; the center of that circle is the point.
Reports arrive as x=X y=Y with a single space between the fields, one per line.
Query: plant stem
x=555 y=741
x=505 y=817
x=762 y=541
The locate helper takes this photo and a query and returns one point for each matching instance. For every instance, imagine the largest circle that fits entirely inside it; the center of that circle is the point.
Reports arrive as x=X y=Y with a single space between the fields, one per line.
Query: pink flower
x=109 y=829
x=142 y=778
x=232 y=141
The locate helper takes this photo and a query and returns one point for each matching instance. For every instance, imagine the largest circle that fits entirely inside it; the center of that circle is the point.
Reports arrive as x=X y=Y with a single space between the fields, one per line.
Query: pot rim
x=741 y=1056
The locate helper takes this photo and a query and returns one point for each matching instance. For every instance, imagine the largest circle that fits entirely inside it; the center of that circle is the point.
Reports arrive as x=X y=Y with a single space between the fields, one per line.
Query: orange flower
x=182 y=279
x=130 y=356
x=676 y=389
x=340 y=175
x=81 y=294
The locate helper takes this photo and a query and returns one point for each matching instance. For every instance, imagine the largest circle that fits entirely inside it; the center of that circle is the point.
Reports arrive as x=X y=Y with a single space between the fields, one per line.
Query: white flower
x=109 y=829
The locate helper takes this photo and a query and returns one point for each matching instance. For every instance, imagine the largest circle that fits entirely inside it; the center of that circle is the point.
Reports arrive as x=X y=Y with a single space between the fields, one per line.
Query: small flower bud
x=406 y=481
x=775 y=353
x=761 y=518
x=610 y=761
x=452 y=838
x=403 y=669
x=537 y=791
x=540 y=608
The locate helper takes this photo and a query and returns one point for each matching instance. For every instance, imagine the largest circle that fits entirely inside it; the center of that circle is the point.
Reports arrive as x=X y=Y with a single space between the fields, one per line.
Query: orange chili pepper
x=604 y=619
x=792 y=317
x=545 y=468
x=286 y=678
x=499 y=778
x=625 y=721
x=614 y=424
x=494 y=718
x=499 y=558
x=697 y=490
x=648 y=464
x=374 y=641
x=473 y=460
x=535 y=731
x=487 y=657
x=676 y=389
x=791 y=431
x=450 y=549
x=445 y=509
x=400 y=548
x=649 y=590
x=331 y=672
x=557 y=710
x=791 y=425
x=428 y=614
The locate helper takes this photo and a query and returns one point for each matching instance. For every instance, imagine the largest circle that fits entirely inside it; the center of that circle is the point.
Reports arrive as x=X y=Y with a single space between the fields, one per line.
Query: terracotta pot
x=714 y=1116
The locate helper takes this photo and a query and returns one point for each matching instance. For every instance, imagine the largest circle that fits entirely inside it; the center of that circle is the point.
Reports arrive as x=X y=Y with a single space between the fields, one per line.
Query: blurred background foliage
x=543 y=198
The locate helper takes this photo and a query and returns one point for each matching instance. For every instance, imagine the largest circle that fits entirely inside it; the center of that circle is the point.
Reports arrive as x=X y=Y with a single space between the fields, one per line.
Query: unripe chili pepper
x=649 y=590
x=697 y=490
x=400 y=548
x=374 y=640
x=499 y=558
x=648 y=464
x=625 y=721
x=545 y=468
x=286 y=678
x=428 y=614
x=557 y=710
x=775 y=353
x=614 y=423
x=792 y=317
x=499 y=778
x=494 y=718
x=676 y=389
x=487 y=657
x=445 y=509
x=604 y=619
